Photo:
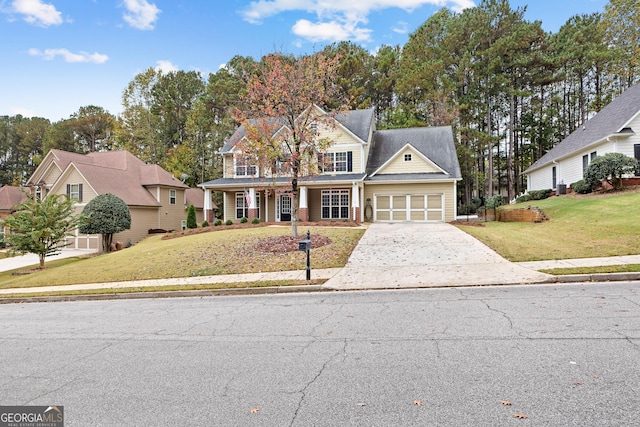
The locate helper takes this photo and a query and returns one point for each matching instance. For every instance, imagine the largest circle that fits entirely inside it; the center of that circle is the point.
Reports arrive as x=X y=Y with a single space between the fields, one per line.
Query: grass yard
x=213 y=253
x=580 y=227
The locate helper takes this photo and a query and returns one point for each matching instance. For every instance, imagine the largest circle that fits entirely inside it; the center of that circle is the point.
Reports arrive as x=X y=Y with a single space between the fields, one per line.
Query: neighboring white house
x=613 y=130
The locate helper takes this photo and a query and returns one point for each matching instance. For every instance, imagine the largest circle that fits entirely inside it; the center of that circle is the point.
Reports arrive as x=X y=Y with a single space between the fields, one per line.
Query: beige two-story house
x=156 y=199
x=364 y=175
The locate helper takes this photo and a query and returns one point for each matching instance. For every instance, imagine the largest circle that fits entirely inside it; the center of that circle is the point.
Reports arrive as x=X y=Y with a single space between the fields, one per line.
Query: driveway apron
x=407 y=255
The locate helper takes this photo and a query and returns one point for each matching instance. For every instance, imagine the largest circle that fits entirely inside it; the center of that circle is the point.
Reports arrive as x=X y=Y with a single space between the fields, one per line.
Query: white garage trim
x=408 y=207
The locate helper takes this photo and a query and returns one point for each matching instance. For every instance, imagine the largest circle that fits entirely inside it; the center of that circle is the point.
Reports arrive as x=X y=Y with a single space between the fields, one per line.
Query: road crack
x=342 y=352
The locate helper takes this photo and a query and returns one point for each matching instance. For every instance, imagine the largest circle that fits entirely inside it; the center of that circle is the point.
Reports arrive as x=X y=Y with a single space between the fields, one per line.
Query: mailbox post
x=305 y=245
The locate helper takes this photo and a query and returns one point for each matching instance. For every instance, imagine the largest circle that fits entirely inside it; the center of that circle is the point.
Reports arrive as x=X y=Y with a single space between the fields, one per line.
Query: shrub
x=205 y=223
x=611 y=168
x=467 y=209
x=255 y=221
x=243 y=220
x=217 y=223
x=494 y=201
x=540 y=194
x=229 y=222
x=523 y=198
x=191 y=217
x=581 y=187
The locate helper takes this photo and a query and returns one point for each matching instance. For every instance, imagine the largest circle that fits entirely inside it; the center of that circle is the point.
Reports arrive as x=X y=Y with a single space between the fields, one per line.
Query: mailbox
x=304 y=245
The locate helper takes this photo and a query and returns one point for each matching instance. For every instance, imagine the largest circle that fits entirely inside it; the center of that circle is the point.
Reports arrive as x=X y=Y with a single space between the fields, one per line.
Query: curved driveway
x=407 y=255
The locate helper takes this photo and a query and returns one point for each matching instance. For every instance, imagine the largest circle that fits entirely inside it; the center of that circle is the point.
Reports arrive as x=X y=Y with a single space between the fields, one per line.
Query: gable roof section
x=117 y=172
x=410 y=148
x=10 y=197
x=611 y=120
x=357 y=122
x=433 y=143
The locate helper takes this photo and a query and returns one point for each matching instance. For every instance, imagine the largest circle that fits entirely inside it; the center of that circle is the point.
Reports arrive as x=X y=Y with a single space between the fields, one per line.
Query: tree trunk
x=41 y=258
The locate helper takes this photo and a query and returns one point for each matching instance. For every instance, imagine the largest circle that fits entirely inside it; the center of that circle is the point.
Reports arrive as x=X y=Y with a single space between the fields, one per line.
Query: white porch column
x=207 y=205
x=224 y=206
x=252 y=198
x=355 y=202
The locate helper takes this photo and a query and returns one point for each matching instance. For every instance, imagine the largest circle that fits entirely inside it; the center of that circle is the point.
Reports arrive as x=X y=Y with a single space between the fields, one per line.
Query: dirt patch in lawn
x=282 y=244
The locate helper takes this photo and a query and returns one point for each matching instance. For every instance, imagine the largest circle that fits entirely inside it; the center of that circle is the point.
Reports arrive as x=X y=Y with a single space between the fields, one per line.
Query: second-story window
x=172 y=197
x=243 y=168
x=336 y=162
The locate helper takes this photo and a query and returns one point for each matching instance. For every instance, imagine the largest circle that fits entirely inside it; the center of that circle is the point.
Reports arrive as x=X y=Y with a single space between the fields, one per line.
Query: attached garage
x=408 y=207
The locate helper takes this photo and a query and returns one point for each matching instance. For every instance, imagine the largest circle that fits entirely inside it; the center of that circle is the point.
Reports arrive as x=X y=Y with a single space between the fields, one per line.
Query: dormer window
x=407 y=157
x=314 y=128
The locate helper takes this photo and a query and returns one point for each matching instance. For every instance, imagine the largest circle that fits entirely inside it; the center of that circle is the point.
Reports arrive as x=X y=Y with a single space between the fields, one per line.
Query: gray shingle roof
x=435 y=143
x=610 y=120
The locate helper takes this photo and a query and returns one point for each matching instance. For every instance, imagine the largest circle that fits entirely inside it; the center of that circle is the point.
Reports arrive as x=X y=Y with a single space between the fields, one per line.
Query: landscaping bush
x=582 y=187
x=205 y=223
x=191 y=217
x=467 y=209
x=255 y=221
x=523 y=198
x=243 y=220
x=540 y=194
x=229 y=222
x=217 y=223
x=494 y=201
x=611 y=167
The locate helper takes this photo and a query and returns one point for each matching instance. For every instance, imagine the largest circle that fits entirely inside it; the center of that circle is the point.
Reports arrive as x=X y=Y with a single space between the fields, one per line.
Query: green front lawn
x=213 y=253
x=580 y=227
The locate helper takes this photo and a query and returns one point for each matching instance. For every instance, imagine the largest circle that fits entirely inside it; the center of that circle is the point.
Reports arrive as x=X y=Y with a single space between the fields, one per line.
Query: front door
x=285 y=207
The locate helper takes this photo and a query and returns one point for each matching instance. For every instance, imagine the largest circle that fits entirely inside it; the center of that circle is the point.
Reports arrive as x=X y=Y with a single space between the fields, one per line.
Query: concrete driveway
x=406 y=255
x=20 y=261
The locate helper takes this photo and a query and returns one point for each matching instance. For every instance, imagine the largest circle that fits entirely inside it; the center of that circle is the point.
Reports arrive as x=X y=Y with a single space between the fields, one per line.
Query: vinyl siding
x=142 y=219
x=169 y=217
x=416 y=165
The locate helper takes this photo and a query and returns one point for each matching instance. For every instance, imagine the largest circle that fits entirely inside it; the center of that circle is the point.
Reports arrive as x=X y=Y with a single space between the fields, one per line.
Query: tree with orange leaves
x=283 y=108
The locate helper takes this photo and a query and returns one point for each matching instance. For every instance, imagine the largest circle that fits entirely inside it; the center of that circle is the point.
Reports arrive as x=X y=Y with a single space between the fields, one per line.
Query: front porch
x=275 y=204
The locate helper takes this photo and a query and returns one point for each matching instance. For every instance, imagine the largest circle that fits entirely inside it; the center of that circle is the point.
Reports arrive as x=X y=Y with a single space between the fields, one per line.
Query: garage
x=408 y=207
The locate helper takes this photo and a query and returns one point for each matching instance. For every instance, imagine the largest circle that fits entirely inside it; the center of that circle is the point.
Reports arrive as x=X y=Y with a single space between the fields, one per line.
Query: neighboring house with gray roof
x=156 y=199
x=368 y=175
x=612 y=130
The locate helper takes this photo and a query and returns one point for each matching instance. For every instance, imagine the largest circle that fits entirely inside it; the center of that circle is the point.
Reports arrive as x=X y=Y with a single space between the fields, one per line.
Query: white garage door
x=408 y=207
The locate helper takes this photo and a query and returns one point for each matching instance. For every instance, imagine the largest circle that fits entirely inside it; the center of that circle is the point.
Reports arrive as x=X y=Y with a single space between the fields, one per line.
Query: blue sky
x=59 y=55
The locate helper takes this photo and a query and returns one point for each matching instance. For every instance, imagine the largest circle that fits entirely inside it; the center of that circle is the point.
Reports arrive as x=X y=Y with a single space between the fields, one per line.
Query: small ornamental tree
x=40 y=226
x=611 y=167
x=191 y=217
x=106 y=214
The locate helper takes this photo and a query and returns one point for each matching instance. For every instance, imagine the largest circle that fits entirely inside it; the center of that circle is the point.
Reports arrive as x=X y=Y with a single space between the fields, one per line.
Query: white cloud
x=338 y=19
x=38 y=13
x=50 y=54
x=141 y=14
x=165 y=66
x=401 y=27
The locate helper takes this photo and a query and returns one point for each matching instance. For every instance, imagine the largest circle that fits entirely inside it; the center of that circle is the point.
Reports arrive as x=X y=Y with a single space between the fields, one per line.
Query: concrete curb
x=169 y=294
x=272 y=290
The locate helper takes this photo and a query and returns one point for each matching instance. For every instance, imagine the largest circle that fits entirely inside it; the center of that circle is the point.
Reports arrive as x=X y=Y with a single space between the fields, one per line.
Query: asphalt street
x=496 y=356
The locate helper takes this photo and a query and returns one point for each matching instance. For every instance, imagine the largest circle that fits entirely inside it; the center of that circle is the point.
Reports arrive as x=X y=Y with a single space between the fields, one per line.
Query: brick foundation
x=253 y=213
x=303 y=214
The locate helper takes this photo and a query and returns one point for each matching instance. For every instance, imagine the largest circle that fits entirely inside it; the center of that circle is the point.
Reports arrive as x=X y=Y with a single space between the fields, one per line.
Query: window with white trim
x=335 y=204
x=74 y=192
x=407 y=157
x=172 y=197
x=336 y=162
x=242 y=167
x=242 y=204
